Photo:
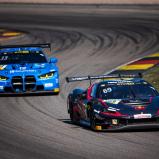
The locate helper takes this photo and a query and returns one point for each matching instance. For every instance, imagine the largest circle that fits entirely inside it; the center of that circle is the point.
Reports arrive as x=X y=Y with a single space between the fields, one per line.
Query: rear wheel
x=70 y=109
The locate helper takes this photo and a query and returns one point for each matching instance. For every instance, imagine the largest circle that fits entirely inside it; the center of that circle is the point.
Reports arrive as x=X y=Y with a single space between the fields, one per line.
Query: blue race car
x=25 y=69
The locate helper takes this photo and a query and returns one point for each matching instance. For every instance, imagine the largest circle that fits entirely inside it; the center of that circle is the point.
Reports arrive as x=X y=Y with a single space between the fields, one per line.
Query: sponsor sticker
x=113 y=101
x=113 y=109
x=48 y=84
x=22 y=68
x=1 y=87
x=21 y=71
x=142 y=116
x=107 y=90
x=57 y=81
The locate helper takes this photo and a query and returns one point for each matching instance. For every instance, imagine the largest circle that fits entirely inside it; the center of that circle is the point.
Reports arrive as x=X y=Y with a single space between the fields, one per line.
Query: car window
x=142 y=91
x=126 y=91
x=22 y=57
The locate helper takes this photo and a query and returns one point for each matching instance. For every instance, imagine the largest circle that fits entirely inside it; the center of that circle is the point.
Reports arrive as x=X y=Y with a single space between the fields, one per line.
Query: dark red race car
x=117 y=102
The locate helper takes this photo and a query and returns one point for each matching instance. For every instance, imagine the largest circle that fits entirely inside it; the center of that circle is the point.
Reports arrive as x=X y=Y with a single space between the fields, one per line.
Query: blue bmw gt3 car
x=26 y=69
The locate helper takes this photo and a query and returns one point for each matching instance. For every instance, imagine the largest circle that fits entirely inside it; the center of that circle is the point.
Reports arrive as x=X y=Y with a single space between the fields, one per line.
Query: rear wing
x=102 y=77
x=46 y=45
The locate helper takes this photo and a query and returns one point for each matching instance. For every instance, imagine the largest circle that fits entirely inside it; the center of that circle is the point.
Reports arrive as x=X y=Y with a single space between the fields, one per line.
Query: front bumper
x=136 y=127
x=42 y=93
x=29 y=85
x=127 y=124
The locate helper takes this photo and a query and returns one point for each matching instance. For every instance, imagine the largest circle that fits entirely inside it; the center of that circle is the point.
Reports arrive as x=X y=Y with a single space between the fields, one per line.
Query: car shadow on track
x=28 y=94
x=69 y=122
x=140 y=130
x=76 y=125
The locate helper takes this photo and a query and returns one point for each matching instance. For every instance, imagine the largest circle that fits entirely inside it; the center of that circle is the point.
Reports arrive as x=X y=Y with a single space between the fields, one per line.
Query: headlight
x=46 y=75
x=3 y=78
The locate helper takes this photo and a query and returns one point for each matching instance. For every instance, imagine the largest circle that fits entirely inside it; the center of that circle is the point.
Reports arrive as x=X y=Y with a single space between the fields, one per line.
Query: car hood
x=26 y=68
x=136 y=106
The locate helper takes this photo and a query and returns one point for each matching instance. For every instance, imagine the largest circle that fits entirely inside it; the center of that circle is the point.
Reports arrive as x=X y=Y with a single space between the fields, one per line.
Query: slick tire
x=92 y=120
x=70 y=109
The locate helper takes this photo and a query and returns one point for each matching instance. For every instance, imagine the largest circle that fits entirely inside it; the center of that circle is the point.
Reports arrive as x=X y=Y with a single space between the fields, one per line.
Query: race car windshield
x=136 y=91
x=22 y=57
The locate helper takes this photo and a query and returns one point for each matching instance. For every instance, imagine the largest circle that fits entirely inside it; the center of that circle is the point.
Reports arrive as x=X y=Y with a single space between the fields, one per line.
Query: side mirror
x=53 y=60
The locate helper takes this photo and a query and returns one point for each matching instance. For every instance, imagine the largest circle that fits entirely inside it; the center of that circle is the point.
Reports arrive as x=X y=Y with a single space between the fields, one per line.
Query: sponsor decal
x=142 y=116
x=107 y=90
x=113 y=101
x=1 y=87
x=113 y=82
x=77 y=78
x=113 y=109
x=126 y=83
x=22 y=52
x=22 y=71
x=123 y=82
x=39 y=65
x=57 y=81
x=48 y=84
x=22 y=68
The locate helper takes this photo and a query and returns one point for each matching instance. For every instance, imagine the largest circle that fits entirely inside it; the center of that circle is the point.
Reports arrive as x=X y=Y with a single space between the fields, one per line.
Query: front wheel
x=92 y=120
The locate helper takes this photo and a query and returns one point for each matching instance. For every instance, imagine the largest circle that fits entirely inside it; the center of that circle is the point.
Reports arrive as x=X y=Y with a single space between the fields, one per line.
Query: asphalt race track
x=86 y=40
